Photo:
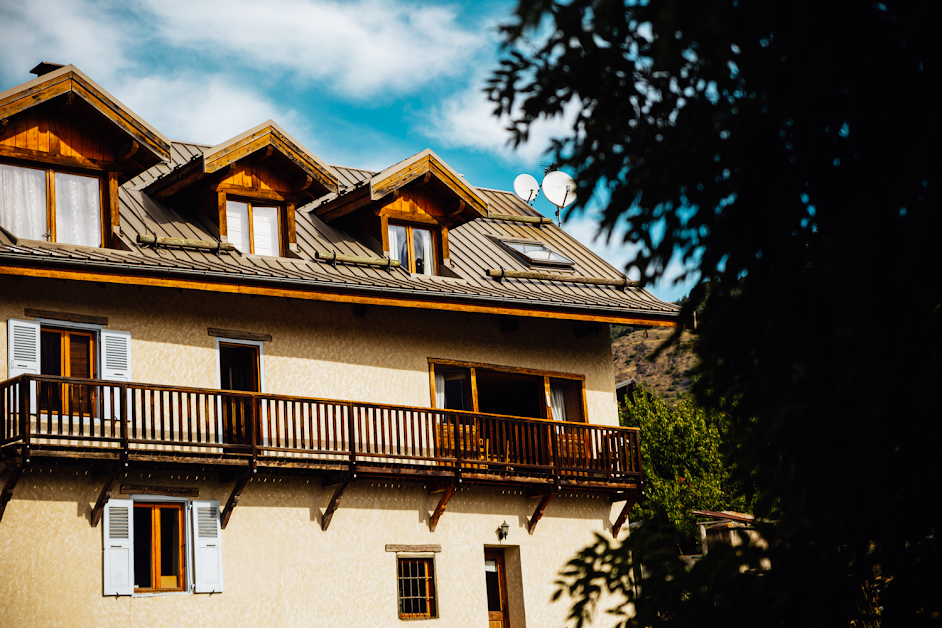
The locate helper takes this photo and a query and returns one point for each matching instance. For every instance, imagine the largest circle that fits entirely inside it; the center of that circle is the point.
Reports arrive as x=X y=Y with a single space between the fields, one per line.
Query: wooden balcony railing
x=153 y=422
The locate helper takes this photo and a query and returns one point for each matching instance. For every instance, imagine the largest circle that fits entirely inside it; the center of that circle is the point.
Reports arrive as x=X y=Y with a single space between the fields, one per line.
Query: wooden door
x=495 y=575
x=239 y=370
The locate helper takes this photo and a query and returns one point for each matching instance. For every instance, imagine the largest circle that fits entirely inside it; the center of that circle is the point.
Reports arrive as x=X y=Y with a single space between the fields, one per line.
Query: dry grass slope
x=668 y=375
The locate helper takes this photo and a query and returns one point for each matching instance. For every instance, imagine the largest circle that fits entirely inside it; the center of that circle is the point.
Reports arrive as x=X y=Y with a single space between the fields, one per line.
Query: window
x=506 y=390
x=161 y=546
x=239 y=369
x=67 y=353
x=48 y=205
x=416 y=579
x=534 y=252
x=414 y=248
x=254 y=228
x=158 y=548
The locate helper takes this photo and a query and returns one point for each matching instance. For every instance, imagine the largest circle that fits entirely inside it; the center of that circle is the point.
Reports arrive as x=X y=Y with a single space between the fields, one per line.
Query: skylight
x=536 y=253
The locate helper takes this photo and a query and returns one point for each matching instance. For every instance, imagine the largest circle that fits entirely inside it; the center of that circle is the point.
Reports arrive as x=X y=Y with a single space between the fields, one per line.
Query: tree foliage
x=684 y=467
x=791 y=148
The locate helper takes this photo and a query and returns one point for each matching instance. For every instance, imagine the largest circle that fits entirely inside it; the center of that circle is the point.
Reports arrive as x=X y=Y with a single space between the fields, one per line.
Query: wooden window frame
x=251 y=202
x=431 y=227
x=155 y=548
x=431 y=587
x=513 y=370
x=65 y=392
x=107 y=202
x=508 y=242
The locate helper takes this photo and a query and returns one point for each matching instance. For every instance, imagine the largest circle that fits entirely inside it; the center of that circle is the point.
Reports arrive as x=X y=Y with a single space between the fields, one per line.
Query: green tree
x=683 y=465
x=791 y=151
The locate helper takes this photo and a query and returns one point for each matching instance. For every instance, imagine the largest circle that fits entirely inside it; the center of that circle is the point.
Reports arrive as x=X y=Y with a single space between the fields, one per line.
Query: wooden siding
x=59 y=135
x=257 y=175
x=417 y=201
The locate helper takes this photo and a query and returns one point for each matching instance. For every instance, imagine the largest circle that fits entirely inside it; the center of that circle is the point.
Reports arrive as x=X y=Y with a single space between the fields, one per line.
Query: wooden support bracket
x=234 y=499
x=105 y=494
x=7 y=493
x=631 y=499
x=128 y=151
x=447 y=492
x=335 y=500
x=538 y=513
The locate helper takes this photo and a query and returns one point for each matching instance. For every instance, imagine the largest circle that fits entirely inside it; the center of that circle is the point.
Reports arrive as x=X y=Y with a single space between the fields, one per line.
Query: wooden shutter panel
x=115 y=364
x=23 y=349
x=207 y=550
x=117 y=556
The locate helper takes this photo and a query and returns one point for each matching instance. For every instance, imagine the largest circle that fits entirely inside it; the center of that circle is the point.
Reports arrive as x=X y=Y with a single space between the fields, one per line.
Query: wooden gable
x=63 y=118
x=422 y=186
x=262 y=165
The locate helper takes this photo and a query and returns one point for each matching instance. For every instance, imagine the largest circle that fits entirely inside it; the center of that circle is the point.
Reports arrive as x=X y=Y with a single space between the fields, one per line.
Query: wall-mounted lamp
x=503 y=531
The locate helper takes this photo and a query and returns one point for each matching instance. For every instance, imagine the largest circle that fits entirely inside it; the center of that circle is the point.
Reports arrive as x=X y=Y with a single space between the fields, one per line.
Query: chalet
x=246 y=386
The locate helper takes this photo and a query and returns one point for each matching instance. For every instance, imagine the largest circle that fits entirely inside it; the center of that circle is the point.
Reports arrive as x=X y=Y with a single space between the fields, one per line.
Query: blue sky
x=363 y=83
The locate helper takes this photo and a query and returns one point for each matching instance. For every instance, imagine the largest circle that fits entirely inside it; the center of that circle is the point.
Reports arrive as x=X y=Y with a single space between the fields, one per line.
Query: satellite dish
x=559 y=189
x=526 y=187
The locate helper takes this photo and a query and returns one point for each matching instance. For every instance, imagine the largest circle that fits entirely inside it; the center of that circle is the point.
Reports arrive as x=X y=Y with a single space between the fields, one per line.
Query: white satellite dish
x=526 y=187
x=559 y=189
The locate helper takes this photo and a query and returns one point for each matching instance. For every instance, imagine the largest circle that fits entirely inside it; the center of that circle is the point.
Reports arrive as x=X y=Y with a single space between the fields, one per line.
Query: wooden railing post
x=123 y=405
x=554 y=449
x=24 y=414
x=351 y=427
x=254 y=420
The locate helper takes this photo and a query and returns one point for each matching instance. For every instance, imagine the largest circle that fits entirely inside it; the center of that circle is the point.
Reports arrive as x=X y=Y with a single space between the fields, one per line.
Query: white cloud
x=202 y=109
x=78 y=32
x=361 y=48
x=466 y=120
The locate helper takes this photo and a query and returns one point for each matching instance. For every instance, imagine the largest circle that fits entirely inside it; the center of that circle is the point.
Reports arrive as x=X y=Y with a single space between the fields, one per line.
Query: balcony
x=146 y=424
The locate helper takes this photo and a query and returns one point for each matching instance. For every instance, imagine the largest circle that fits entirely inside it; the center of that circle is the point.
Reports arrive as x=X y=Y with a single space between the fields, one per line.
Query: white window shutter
x=23 y=343
x=115 y=355
x=115 y=363
x=117 y=556
x=207 y=547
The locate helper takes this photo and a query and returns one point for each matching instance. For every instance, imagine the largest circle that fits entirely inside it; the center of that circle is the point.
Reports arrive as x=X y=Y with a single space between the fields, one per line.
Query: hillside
x=668 y=375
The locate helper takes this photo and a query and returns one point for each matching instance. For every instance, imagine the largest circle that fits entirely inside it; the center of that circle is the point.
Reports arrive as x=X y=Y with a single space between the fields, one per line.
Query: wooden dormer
x=406 y=204
x=61 y=131
x=256 y=179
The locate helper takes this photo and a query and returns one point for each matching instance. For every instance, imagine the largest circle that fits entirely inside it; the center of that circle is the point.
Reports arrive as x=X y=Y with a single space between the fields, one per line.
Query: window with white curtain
x=253 y=228
x=71 y=214
x=413 y=247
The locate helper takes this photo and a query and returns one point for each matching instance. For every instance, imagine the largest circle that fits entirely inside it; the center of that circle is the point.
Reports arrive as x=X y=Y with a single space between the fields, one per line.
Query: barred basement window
x=417 y=588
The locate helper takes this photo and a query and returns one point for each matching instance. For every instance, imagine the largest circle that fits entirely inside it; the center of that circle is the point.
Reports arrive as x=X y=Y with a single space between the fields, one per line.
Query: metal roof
x=472 y=245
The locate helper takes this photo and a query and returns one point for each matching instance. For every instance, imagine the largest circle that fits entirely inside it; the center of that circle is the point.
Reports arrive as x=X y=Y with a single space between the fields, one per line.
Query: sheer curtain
x=237 y=224
x=557 y=402
x=439 y=389
x=23 y=201
x=78 y=210
x=398 y=244
x=265 y=230
x=423 y=251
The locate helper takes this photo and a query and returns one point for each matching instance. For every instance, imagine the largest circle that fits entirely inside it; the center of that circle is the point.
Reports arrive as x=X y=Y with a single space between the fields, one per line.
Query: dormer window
x=414 y=248
x=536 y=253
x=42 y=204
x=254 y=227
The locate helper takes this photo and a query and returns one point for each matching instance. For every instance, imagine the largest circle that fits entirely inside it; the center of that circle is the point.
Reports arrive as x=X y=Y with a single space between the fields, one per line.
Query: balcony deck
x=46 y=416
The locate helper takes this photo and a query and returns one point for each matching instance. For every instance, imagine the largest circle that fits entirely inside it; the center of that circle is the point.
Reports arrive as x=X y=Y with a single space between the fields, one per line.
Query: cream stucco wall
x=280 y=568
x=318 y=349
